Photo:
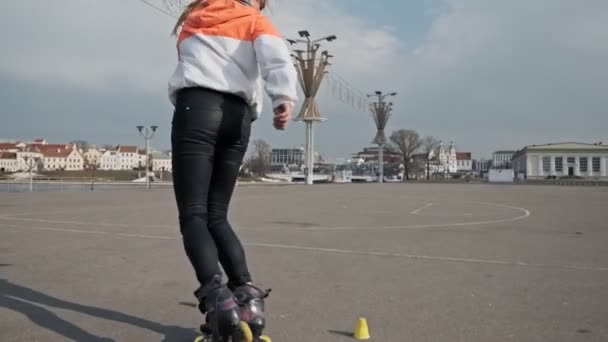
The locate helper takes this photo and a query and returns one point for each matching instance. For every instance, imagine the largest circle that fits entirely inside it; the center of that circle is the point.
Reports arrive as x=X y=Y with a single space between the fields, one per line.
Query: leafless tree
x=429 y=147
x=407 y=142
x=259 y=162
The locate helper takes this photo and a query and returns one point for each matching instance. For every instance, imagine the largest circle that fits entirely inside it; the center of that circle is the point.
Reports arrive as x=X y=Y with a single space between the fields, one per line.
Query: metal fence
x=74 y=186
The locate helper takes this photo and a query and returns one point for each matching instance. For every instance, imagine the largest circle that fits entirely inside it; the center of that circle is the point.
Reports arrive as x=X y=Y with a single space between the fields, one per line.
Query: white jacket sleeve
x=276 y=66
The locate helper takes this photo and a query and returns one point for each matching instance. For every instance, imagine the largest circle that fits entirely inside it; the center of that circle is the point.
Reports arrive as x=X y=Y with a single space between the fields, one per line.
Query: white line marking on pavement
x=525 y=214
x=93 y=232
x=63 y=211
x=82 y=223
x=427 y=257
x=340 y=251
x=417 y=211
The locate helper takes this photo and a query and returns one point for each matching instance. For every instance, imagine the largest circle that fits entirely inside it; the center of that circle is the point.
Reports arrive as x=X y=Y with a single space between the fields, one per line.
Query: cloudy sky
x=487 y=74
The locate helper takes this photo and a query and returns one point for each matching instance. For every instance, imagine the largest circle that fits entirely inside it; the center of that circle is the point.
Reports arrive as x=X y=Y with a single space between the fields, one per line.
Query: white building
x=502 y=159
x=141 y=158
x=29 y=157
x=161 y=162
x=121 y=158
x=482 y=165
x=62 y=159
x=43 y=156
x=92 y=156
x=562 y=159
x=447 y=162
x=444 y=161
x=8 y=162
x=464 y=163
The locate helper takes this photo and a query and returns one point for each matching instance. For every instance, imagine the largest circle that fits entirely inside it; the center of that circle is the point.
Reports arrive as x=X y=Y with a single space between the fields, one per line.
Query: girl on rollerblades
x=226 y=48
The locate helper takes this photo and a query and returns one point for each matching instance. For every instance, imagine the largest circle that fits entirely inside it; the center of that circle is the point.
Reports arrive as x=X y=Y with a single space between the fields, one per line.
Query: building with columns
x=562 y=159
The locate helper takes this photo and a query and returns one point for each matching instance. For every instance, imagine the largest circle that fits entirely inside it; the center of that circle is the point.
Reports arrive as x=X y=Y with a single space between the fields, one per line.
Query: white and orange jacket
x=231 y=47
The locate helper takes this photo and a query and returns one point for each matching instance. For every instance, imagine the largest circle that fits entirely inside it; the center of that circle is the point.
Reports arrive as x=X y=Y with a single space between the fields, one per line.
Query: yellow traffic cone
x=361 y=330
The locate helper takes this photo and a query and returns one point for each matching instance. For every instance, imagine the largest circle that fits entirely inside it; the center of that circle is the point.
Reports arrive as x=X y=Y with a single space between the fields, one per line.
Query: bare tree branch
x=407 y=142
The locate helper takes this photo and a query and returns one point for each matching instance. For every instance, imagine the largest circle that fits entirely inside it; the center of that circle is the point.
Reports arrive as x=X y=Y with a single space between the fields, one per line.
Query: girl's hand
x=282 y=115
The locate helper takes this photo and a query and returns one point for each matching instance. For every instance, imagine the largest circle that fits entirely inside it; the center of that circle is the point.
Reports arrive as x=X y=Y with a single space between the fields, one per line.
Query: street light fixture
x=381 y=112
x=310 y=75
x=147 y=133
x=30 y=160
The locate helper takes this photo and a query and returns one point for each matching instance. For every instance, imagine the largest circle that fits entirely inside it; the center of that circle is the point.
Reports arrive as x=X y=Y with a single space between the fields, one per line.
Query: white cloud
x=510 y=73
x=92 y=44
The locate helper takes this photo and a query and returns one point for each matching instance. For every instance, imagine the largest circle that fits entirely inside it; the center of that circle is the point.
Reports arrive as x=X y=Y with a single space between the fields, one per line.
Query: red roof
x=127 y=149
x=55 y=146
x=56 y=153
x=8 y=155
x=8 y=146
x=463 y=155
x=54 y=150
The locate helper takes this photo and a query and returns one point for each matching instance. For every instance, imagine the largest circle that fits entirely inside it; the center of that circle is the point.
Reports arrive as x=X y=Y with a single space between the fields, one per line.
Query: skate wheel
x=199 y=339
x=246 y=334
x=265 y=338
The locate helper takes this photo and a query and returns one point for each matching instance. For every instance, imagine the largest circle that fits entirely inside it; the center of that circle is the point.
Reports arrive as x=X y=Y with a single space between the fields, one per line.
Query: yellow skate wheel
x=199 y=339
x=247 y=335
x=265 y=338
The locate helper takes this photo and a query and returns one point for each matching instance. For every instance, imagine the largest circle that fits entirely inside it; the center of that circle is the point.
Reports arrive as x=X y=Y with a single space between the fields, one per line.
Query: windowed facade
x=583 y=164
x=559 y=164
x=546 y=164
x=596 y=164
x=553 y=161
x=287 y=156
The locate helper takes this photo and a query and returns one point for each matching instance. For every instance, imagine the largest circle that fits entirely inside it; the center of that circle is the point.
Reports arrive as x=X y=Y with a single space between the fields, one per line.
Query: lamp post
x=147 y=133
x=381 y=112
x=310 y=75
x=30 y=160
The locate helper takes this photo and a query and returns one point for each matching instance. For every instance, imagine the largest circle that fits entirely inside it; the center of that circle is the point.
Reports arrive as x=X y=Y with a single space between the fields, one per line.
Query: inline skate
x=250 y=300
x=222 y=323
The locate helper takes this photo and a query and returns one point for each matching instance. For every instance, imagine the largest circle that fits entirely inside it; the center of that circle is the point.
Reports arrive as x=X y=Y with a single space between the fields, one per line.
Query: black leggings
x=209 y=138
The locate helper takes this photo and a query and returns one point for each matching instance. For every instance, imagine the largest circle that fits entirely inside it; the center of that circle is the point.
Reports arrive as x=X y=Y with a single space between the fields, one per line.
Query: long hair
x=182 y=17
x=194 y=4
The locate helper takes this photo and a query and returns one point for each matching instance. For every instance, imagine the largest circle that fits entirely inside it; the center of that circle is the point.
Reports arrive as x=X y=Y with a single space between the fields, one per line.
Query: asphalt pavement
x=420 y=262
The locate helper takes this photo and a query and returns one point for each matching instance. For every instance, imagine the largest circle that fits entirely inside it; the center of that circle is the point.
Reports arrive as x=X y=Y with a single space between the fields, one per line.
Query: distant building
x=287 y=156
x=161 y=162
x=482 y=165
x=502 y=159
x=8 y=162
x=92 y=156
x=561 y=159
x=464 y=163
x=371 y=154
x=122 y=157
x=447 y=162
x=442 y=161
x=56 y=158
x=142 y=158
x=42 y=156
